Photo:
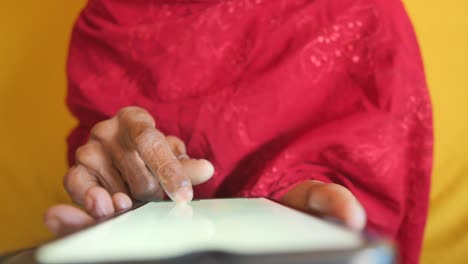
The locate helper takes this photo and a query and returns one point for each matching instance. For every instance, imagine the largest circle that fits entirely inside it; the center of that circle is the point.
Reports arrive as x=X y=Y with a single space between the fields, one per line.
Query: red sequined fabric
x=273 y=93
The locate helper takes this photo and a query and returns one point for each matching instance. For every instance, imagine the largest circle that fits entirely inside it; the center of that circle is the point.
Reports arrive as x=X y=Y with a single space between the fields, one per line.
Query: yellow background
x=34 y=122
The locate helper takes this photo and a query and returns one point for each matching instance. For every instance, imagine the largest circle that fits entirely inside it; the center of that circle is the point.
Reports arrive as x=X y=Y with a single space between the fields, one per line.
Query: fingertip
x=207 y=167
x=183 y=195
x=98 y=203
x=321 y=197
x=66 y=219
x=337 y=202
x=122 y=202
x=199 y=171
x=52 y=223
x=206 y=171
x=357 y=218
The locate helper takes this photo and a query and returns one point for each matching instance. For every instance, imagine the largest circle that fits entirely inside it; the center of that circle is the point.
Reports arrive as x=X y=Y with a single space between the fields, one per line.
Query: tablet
x=216 y=231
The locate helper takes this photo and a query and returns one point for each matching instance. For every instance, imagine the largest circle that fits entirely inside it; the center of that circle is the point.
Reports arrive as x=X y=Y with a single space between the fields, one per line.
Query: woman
x=321 y=105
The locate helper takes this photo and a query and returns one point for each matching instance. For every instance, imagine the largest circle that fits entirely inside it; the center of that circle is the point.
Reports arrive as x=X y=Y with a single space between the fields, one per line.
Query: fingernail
x=183 y=195
x=102 y=210
x=358 y=221
x=53 y=225
x=123 y=203
x=317 y=204
x=89 y=203
x=97 y=208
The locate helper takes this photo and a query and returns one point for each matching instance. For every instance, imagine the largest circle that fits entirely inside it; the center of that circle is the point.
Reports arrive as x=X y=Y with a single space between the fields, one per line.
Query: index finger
x=138 y=129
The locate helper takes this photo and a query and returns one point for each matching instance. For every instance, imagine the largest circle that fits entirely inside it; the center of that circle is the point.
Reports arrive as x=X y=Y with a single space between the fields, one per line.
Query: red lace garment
x=273 y=93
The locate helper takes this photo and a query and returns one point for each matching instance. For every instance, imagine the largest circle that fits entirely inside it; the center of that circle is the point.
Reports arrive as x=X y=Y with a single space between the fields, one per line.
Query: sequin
x=356 y=59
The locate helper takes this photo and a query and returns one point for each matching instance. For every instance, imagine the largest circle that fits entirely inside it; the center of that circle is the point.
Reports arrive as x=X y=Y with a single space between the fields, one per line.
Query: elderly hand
x=125 y=159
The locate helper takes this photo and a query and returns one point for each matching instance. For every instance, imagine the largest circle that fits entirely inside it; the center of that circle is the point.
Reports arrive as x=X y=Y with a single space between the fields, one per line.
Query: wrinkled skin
x=127 y=159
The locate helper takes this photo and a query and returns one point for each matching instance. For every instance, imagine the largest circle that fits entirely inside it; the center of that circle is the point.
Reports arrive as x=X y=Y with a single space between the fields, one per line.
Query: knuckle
x=134 y=113
x=148 y=192
x=68 y=180
x=147 y=140
x=128 y=110
x=85 y=154
x=102 y=130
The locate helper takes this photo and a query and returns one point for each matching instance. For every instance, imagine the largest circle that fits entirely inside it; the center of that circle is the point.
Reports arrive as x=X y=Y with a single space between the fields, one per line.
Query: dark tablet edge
x=372 y=253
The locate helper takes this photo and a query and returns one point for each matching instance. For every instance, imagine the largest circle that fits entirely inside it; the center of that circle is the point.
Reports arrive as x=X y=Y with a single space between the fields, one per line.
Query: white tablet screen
x=162 y=230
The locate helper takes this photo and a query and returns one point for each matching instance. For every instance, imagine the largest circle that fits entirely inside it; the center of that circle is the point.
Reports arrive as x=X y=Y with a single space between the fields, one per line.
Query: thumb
x=328 y=201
